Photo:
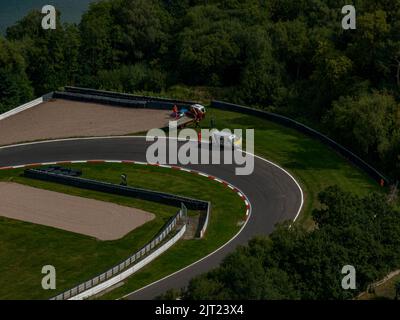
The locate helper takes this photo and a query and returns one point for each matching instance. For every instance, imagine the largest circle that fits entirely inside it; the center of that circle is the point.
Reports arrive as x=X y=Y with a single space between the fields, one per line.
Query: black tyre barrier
x=160 y=197
x=371 y=171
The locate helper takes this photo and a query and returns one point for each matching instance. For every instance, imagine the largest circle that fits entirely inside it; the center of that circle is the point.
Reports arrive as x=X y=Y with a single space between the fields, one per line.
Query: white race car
x=222 y=138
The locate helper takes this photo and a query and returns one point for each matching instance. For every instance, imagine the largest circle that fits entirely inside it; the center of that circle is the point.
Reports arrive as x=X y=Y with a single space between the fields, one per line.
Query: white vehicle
x=222 y=138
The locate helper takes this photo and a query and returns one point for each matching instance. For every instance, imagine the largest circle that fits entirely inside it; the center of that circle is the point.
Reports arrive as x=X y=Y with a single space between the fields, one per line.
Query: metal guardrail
x=99 y=99
x=118 y=100
x=371 y=171
x=123 y=265
x=101 y=186
x=124 y=95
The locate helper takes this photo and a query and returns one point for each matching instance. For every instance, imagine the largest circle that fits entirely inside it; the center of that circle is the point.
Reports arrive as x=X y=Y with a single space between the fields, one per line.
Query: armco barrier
x=127 y=96
x=136 y=261
x=19 y=109
x=149 y=195
x=375 y=174
x=99 y=99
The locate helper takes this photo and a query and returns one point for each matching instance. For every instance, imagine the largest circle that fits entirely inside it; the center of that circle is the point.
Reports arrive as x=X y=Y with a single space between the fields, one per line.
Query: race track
x=274 y=195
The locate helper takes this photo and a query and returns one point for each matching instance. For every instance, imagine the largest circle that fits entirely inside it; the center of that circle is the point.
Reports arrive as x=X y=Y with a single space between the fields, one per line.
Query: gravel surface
x=98 y=219
x=58 y=119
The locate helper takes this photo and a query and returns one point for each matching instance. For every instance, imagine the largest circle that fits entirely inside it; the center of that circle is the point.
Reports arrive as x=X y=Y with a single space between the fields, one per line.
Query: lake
x=13 y=10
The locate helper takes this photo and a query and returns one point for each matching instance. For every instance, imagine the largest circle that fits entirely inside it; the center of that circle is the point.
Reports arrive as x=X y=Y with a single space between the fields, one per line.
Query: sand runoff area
x=56 y=119
x=98 y=219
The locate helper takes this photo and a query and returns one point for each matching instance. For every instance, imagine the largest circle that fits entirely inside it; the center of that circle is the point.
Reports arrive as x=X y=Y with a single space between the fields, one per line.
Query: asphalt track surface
x=273 y=194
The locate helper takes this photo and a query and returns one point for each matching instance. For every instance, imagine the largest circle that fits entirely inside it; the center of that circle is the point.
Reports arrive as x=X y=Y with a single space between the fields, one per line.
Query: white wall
x=19 y=109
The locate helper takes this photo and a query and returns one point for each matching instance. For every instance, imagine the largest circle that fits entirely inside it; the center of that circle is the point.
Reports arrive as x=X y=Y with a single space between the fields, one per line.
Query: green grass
x=26 y=247
x=314 y=165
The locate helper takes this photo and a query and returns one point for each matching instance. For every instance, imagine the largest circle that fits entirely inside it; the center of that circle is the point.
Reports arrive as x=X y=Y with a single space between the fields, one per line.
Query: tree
x=96 y=50
x=141 y=30
x=206 y=46
x=15 y=87
x=369 y=46
x=51 y=55
x=366 y=123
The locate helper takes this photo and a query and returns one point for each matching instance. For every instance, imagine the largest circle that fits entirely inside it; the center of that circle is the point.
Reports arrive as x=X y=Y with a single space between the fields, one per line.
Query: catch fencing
x=371 y=171
x=136 y=261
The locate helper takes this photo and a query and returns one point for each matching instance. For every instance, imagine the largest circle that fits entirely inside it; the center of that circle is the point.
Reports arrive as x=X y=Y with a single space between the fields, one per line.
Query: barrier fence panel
x=126 y=263
x=133 y=269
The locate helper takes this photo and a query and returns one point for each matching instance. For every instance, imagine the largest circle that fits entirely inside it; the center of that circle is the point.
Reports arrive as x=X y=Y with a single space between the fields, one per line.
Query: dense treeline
x=297 y=264
x=291 y=57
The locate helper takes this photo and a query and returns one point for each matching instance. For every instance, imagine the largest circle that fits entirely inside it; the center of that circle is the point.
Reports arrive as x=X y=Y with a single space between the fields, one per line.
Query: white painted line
x=202 y=174
x=165 y=166
x=141 y=163
x=19 y=167
x=49 y=163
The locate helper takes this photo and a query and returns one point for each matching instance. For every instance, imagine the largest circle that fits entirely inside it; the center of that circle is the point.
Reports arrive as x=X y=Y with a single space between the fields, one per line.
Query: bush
x=138 y=77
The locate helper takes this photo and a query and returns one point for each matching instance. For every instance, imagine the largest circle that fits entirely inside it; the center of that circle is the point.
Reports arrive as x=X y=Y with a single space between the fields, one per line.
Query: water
x=13 y=10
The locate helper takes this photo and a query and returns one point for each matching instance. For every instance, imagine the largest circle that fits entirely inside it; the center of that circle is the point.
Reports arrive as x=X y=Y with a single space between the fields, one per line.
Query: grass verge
x=26 y=247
